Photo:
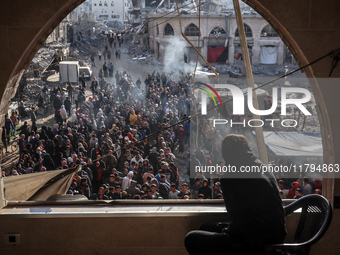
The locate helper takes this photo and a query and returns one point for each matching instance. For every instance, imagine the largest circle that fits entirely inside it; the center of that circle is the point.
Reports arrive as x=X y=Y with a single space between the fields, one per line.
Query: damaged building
x=219 y=41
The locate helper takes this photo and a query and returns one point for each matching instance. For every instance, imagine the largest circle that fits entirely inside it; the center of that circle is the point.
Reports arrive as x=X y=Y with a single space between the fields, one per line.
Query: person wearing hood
x=63 y=112
x=205 y=190
x=74 y=118
x=127 y=181
x=255 y=213
x=291 y=192
x=48 y=162
x=132 y=118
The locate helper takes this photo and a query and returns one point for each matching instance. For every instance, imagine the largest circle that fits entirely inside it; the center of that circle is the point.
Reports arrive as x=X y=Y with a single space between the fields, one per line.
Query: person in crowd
x=127 y=181
x=83 y=80
x=133 y=190
x=298 y=193
x=284 y=191
x=8 y=128
x=173 y=194
x=154 y=192
x=205 y=190
x=217 y=193
x=4 y=138
x=195 y=188
x=68 y=105
x=93 y=60
x=15 y=121
x=291 y=192
x=100 y=55
x=164 y=187
x=117 y=194
x=307 y=188
x=33 y=119
x=185 y=192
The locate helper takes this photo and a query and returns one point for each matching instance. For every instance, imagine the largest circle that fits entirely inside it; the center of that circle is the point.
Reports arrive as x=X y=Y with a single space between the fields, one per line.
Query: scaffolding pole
x=250 y=80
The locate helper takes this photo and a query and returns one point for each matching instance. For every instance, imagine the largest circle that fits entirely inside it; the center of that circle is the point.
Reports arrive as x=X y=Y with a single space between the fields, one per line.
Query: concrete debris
x=260 y=70
x=139 y=52
x=268 y=70
x=30 y=93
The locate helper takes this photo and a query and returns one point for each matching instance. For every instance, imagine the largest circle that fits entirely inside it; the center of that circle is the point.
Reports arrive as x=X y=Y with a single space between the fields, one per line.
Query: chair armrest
x=290 y=247
x=289 y=209
x=287 y=245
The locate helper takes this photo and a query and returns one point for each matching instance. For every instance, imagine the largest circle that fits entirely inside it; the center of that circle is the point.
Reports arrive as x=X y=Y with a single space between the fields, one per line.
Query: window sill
x=114 y=208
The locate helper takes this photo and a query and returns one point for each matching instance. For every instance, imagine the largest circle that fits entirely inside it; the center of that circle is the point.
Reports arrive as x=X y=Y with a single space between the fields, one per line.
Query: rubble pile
x=32 y=91
x=269 y=70
x=139 y=52
x=137 y=46
x=86 y=47
x=40 y=62
x=29 y=96
x=46 y=58
x=260 y=70
x=88 y=38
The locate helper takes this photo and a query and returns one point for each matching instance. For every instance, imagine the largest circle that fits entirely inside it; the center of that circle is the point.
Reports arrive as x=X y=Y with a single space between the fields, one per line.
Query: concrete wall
x=309 y=28
x=91 y=235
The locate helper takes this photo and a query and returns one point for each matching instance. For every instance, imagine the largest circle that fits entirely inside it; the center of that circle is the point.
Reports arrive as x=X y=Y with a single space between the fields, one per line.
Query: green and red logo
x=209 y=93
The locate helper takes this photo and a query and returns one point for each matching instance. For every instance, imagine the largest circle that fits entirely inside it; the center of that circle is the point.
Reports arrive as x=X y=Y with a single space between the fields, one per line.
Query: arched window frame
x=169 y=30
x=268 y=31
x=221 y=30
x=247 y=29
x=192 y=30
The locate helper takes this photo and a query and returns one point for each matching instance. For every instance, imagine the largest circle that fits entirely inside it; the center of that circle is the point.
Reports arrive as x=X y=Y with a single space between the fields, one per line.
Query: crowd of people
x=108 y=135
x=297 y=188
x=126 y=139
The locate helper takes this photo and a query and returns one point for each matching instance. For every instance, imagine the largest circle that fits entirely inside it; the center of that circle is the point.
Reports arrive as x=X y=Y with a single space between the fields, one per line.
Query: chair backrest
x=316 y=216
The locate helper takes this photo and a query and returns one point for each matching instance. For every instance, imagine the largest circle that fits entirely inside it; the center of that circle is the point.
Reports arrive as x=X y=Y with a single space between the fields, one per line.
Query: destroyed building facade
x=219 y=41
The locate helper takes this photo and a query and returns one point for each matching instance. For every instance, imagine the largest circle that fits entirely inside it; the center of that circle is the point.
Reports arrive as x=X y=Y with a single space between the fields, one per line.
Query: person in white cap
x=127 y=181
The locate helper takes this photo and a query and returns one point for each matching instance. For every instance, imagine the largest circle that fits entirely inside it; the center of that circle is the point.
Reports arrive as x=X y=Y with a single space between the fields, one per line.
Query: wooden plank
x=261 y=146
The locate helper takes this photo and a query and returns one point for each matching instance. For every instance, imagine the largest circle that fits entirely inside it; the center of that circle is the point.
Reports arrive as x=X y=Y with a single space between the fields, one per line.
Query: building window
x=100 y=3
x=112 y=4
x=168 y=30
x=105 y=3
x=157 y=29
x=247 y=30
x=192 y=30
x=268 y=31
x=95 y=4
x=218 y=32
